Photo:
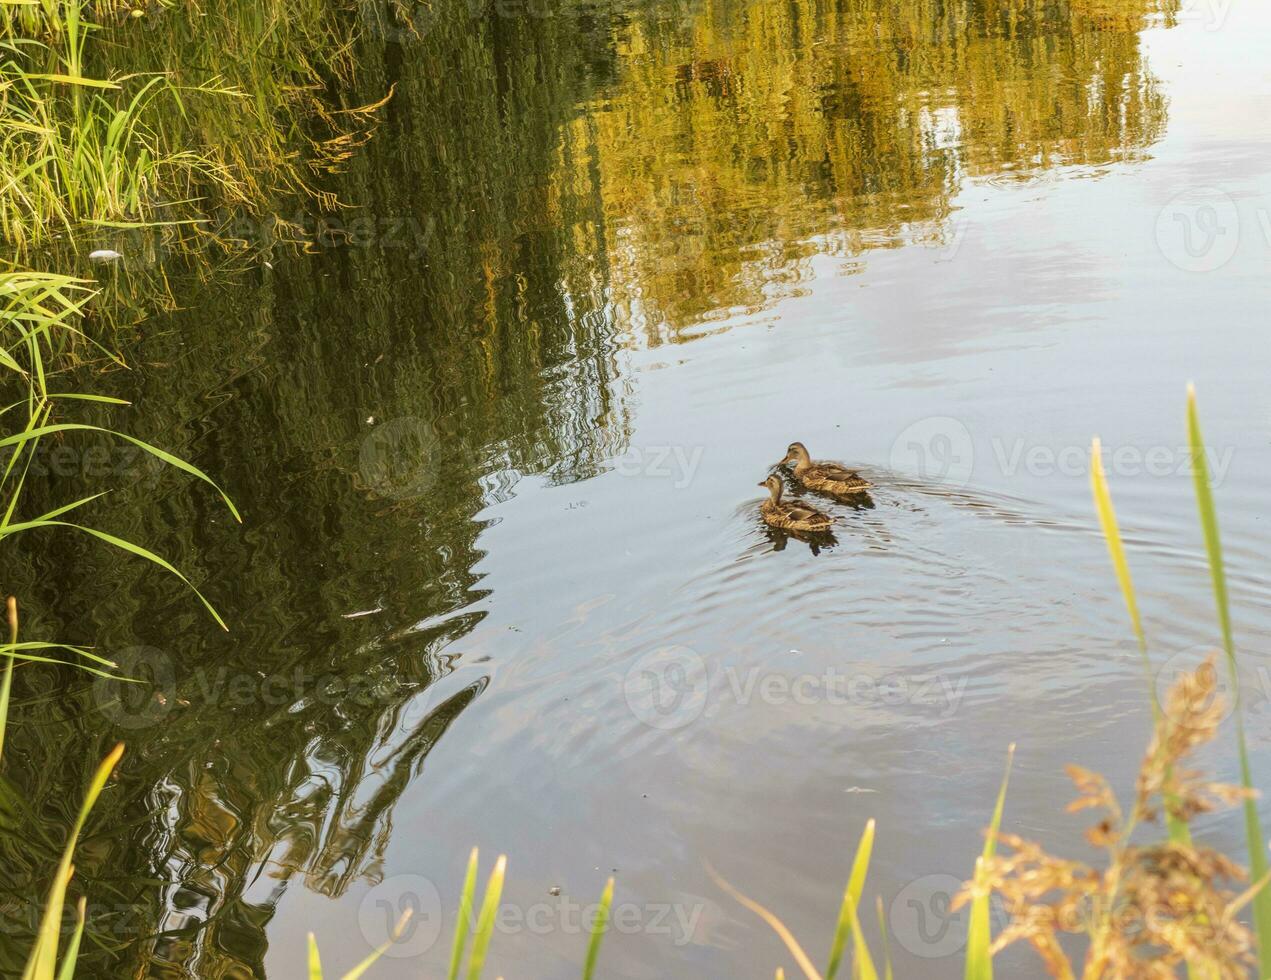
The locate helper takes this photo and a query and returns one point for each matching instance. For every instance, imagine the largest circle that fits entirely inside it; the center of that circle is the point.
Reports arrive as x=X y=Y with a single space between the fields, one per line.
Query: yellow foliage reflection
x=735 y=141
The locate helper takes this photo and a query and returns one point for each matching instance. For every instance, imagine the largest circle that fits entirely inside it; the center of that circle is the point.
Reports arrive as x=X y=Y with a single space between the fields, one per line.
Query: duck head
x=796 y=453
x=775 y=486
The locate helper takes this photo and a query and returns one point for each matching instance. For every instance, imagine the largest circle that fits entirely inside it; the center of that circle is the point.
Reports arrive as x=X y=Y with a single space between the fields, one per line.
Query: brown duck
x=791 y=516
x=831 y=478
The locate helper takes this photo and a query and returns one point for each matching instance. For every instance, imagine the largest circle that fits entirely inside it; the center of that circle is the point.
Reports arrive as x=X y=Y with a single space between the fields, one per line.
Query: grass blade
x=67 y=508
x=67 y=972
x=485 y=922
x=851 y=899
x=463 y=918
x=1116 y=550
x=862 y=962
x=777 y=926
x=1213 y=549
x=174 y=461
x=44 y=955
x=74 y=80
x=882 y=928
x=979 y=960
x=380 y=950
x=7 y=685
x=1178 y=830
x=598 y=931
x=84 y=397
x=126 y=546
x=315 y=961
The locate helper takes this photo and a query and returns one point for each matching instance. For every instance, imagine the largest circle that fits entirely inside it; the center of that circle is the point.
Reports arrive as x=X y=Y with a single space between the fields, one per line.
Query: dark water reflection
x=490 y=490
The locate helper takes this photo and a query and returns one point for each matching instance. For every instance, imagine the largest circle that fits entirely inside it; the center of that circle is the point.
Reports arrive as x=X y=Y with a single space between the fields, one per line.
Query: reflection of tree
x=734 y=145
x=449 y=311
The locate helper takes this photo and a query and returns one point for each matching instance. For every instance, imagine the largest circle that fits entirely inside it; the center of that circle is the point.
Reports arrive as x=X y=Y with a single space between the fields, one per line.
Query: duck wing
x=838 y=473
x=798 y=512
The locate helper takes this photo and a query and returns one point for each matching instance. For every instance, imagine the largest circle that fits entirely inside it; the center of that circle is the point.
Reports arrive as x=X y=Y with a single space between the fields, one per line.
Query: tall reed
x=1218 y=575
x=1178 y=829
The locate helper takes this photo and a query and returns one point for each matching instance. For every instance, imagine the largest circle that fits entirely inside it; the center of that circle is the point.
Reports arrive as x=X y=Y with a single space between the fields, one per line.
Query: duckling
x=791 y=516
x=831 y=478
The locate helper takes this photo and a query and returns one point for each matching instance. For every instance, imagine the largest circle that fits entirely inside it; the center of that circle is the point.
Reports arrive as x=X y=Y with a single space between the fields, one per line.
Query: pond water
x=501 y=579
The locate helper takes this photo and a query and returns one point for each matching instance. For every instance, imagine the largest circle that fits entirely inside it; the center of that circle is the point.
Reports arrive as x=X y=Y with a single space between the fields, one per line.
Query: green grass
x=1178 y=829
x=114 y=128
x=40 y=317
x=78 y=153
x=1213 y=550
x=42 y=961
x=979 y=959
x=598 y=927
x=42 y=964
x=481 y=933
x=848 y=922
x=315 y=959
x=39 y=314
x=851 y=901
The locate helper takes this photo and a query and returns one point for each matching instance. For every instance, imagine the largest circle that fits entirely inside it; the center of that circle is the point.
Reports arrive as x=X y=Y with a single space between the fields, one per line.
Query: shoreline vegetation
x=118 y=137
x=156 y=132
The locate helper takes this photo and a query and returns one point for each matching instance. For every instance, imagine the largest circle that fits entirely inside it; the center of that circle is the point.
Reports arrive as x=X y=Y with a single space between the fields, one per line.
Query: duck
x=825 y=477
x=791 y=516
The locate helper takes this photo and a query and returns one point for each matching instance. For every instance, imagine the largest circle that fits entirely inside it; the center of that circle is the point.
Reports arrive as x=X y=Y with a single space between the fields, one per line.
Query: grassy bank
x=149 y=128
